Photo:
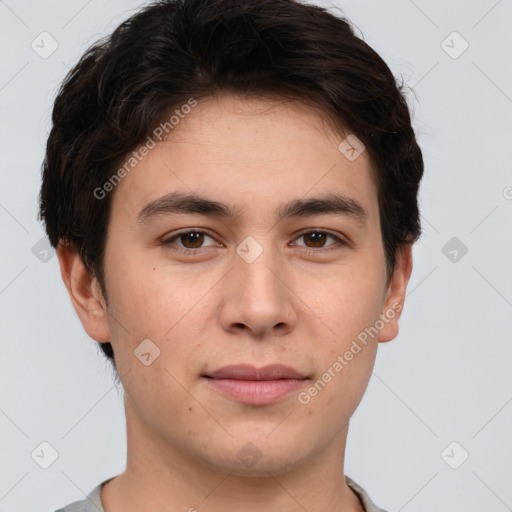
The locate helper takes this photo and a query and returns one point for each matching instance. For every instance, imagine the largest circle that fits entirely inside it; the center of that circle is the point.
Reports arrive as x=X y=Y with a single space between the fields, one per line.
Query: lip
x=249 y=372
x=255 y=386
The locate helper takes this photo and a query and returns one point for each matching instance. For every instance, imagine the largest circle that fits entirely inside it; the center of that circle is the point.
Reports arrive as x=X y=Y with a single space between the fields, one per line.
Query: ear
x=84 y=292
x=395 y=295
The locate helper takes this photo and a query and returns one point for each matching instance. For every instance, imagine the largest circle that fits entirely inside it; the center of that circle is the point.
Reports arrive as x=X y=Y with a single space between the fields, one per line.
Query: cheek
x=157 y=303
x=347 y=300
x=345 y=357
x=350 y=310
x=143 y=302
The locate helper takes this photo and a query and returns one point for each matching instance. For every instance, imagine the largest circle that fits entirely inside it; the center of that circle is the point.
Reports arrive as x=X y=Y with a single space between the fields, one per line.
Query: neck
x=160 y=476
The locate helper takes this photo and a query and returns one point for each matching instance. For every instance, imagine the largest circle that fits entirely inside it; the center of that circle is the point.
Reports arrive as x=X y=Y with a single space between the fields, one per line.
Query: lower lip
x=256 y=392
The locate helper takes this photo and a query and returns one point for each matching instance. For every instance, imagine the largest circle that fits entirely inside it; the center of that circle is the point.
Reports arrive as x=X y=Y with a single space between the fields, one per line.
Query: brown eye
x=317 y=238
x=189 y=241
x=318 y=242
x=192 y=240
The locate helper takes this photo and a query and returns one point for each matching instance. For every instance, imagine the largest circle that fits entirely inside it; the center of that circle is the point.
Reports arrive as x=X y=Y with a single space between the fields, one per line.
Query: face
x=267 y=277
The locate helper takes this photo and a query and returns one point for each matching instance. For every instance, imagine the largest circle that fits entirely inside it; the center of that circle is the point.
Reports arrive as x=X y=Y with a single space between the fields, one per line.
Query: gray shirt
x=92 y=503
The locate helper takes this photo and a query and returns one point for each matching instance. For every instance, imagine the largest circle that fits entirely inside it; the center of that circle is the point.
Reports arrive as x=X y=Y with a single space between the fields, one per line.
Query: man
x=232 y=191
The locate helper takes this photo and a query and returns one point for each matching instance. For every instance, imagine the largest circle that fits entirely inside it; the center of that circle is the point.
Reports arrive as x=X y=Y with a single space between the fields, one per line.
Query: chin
x=258 y=456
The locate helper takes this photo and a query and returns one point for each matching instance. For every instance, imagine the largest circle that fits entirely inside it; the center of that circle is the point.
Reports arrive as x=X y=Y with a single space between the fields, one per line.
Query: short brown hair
x=171 y=50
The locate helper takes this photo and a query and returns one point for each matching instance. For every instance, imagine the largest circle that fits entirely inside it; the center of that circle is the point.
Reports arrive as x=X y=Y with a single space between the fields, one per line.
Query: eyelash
x=309 y=251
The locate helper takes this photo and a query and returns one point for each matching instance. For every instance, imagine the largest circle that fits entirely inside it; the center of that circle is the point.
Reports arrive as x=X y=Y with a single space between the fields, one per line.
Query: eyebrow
x=183 y=203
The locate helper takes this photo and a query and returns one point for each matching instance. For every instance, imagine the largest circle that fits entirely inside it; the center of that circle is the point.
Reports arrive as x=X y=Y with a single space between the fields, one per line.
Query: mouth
x=255 y=386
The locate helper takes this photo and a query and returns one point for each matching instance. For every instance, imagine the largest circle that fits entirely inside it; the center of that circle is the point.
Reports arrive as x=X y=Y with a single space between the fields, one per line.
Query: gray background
x=445 y=379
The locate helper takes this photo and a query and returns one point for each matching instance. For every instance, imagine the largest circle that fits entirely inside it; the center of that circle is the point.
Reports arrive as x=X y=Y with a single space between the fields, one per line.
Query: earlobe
x=84 y=292
x=395 y=296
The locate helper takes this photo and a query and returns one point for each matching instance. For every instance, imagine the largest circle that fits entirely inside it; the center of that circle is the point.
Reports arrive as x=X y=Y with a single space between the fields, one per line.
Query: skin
x=212 y=308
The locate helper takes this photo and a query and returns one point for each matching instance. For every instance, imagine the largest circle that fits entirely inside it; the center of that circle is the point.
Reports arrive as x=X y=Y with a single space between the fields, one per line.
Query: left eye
x=318 y=239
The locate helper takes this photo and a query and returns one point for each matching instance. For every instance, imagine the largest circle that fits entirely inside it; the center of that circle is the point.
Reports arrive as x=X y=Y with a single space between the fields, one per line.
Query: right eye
x=190 y=241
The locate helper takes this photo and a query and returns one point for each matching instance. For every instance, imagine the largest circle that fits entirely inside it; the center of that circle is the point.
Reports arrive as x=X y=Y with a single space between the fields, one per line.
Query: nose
x=258 y=298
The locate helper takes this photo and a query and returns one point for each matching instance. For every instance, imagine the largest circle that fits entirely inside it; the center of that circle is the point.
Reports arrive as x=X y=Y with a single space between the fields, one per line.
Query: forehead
x=253 y=153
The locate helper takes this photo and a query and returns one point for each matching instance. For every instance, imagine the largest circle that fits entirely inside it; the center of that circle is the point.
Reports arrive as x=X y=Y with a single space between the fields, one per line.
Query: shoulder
x=76 y=506
x=368 y=504
x=91 y=503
